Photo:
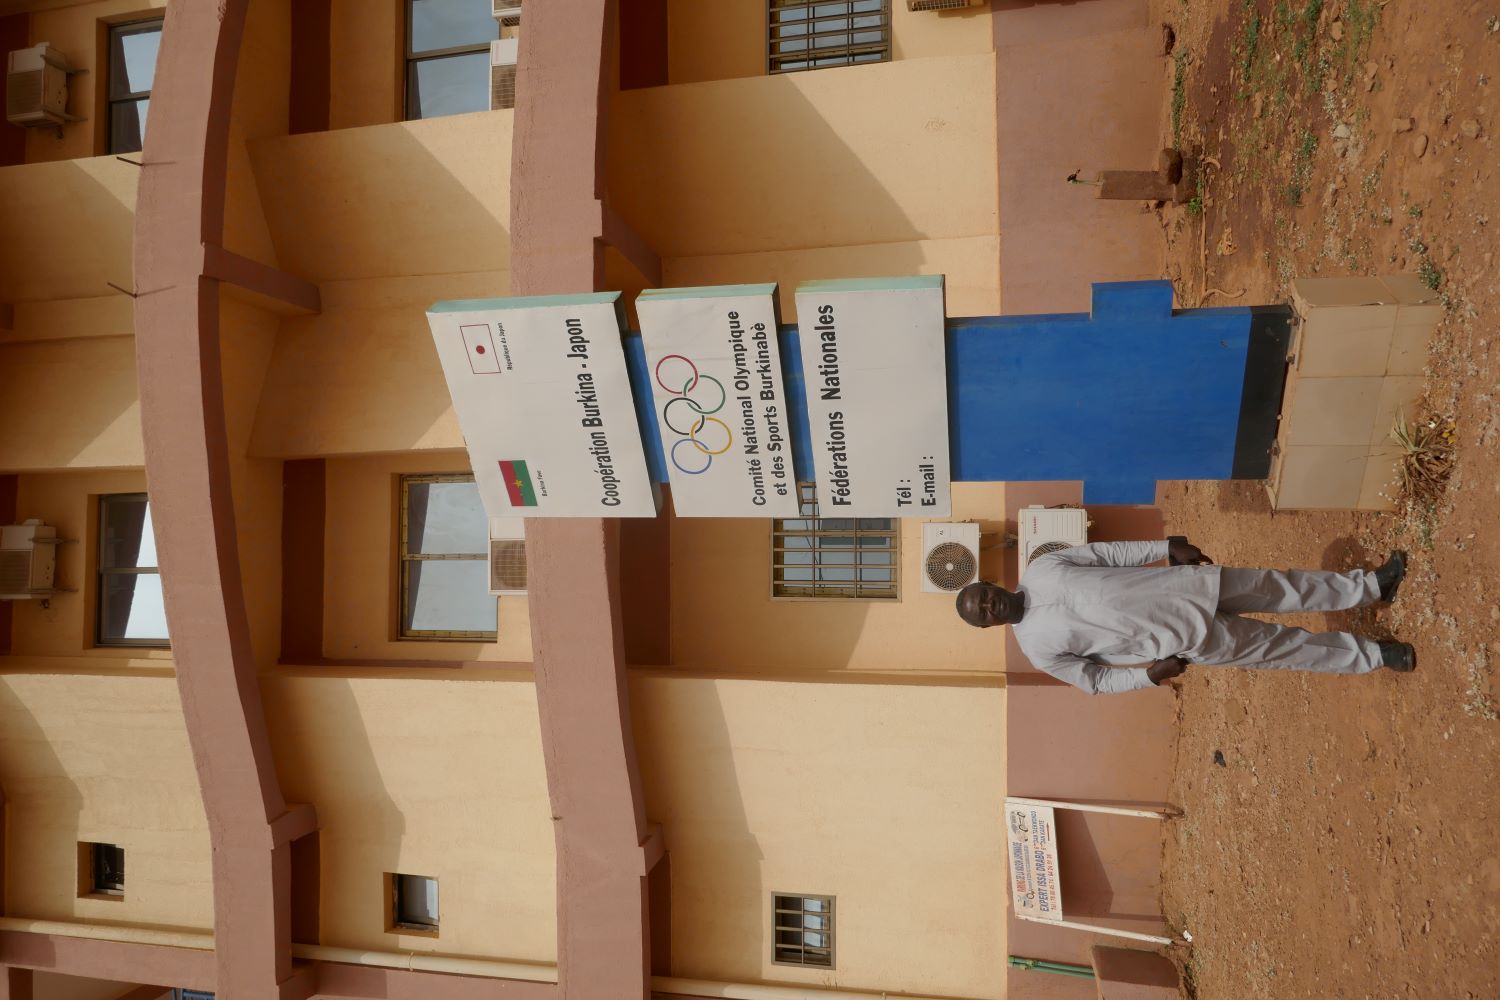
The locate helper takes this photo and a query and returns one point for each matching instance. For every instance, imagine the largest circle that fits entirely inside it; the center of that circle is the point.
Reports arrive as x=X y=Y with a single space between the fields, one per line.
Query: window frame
x=134 y=26
x=832 y=930
x=89 y=886
x=102 y=571
x=404 y=559
x=410 y=58
x=816 y=590
x=775 y=60
x=394 y=924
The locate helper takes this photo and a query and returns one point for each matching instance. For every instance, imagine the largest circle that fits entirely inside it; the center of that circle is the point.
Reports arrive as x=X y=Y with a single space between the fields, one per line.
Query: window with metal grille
x=803 y=930
x=444 y=560
x=131 y=609
x=132 y=70
x=813 y=34
x=834 y=557
x=448 y=56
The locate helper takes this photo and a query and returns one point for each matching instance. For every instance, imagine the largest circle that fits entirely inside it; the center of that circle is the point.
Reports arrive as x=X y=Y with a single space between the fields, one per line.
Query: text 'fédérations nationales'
x=840 y=489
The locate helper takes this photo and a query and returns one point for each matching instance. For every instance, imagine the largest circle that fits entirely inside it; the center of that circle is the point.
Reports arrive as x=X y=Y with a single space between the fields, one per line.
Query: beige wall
x=426 y=777
x=891 y=153
x=723 y=564
x=359 y=591
x=413 y=198
x=247 y=336
x=65 y=628
x=70 y=404
x=78 y=33
x=885 y=796
x=367 y=68
x=335 y=377
x=867 y=171
x=726 y=39
x=65 y=228
x=260 y=110
x=102 y=758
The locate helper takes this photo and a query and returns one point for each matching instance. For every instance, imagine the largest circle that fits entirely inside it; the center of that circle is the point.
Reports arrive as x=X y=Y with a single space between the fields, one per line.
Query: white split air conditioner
x=919 y=5
x=503 y=55
x=507 y=556
x=28 y=558
x=950 y=556
x=1046 y=529
x=507 y=12
x=36 y=87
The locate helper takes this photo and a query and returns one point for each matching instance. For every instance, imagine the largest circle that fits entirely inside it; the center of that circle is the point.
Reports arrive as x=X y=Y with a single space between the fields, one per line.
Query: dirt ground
x=1345 y=846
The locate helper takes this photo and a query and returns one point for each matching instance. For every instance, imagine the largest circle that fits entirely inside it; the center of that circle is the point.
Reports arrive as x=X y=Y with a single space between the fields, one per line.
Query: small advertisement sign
x=1031 y=832
x=874 y=361
x=544 y=402
x=719 y=400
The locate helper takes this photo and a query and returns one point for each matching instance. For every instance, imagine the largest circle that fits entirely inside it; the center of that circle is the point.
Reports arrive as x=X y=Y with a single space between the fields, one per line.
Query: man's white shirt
x=1091 y=606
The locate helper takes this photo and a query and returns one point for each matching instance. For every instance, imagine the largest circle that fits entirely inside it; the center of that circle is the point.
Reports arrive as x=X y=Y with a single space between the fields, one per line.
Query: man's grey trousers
x=1247 y=642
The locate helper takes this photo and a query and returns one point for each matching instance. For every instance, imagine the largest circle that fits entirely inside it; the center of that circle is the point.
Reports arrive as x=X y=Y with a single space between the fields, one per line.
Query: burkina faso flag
x=518 y=483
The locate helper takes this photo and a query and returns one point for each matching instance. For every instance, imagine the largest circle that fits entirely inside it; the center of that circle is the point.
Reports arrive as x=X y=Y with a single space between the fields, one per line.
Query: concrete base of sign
x=1356 y=365
x=1129 y=974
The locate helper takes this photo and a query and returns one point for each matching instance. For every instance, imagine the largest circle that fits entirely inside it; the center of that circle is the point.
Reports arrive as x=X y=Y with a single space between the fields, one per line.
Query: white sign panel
x=1031 y=832
x=873 y=357
x=544 y=402
x=716 y=379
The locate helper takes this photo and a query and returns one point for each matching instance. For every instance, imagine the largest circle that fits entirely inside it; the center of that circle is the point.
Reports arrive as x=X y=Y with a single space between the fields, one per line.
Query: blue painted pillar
x=1128 y=394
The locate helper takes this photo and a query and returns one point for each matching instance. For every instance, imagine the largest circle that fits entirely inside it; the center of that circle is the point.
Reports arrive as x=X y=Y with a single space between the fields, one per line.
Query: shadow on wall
x=323 y=744
x=419 y=206
x=717 y=888
x=40 y=807
x=1080 y=86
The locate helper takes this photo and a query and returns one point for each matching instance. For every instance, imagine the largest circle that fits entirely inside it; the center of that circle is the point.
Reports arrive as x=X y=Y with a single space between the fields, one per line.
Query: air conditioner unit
x=36 y=87
x=1046 y=529
x=919 y=5
x=503 y=53
x=507 y=556
x=28 y=558
x=507 y=12
x=950 y=556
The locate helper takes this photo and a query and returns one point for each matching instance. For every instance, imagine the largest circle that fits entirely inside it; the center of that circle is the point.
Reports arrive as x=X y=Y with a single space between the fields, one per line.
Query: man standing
x=1081 y=611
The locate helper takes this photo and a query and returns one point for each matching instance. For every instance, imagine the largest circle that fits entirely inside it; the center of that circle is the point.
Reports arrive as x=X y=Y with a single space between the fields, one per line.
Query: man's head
x=983 y=604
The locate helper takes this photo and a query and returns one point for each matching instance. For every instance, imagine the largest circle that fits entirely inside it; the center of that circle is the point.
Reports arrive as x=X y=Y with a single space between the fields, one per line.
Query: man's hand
x=1165 y=670
x=1181 y=552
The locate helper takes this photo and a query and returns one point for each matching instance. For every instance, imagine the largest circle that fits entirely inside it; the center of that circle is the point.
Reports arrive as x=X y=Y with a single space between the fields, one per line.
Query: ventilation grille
x=1045 y=548
x=920 y=5
x=502 y=87
x=15 y=571
x=23 y=94
x=950 y=565
x=507 y=565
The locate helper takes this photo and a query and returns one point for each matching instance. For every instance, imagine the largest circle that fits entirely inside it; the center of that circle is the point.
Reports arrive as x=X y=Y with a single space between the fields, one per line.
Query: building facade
x=269 y=735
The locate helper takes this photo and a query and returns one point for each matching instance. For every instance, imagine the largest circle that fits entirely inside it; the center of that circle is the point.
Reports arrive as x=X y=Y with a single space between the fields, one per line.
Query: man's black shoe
x=1398 y=656
x=1390 y=575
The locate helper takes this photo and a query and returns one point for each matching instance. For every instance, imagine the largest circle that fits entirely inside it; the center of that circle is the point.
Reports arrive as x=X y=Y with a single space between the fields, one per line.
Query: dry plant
x=1427 y=455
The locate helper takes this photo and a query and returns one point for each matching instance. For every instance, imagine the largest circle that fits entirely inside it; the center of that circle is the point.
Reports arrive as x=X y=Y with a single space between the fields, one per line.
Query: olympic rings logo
x=697 y=443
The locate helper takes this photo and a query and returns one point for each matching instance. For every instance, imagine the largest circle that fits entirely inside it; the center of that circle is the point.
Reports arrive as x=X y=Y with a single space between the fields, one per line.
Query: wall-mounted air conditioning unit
x=507 y=12
x=507 y=556
x=919 y=5
x=28 y=559
x=503 y=54
x=950 y=556
x=1046 y=529
x=36 y=87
